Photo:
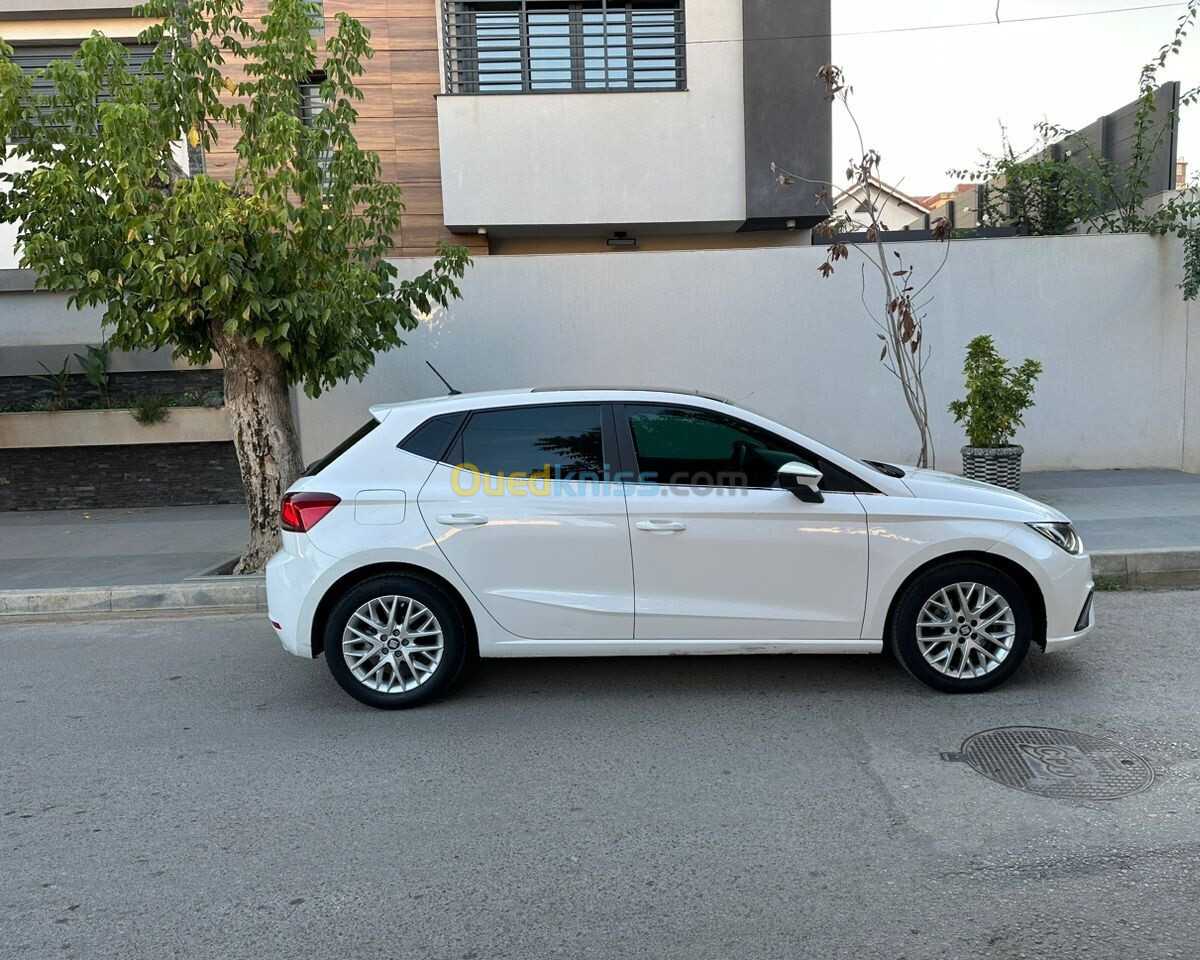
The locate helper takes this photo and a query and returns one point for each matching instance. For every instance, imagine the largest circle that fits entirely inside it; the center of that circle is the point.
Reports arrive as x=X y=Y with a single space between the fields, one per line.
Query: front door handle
x=462 y=519
x=660 y=526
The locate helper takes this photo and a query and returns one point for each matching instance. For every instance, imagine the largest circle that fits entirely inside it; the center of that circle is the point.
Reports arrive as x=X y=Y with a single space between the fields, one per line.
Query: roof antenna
x=453 y=392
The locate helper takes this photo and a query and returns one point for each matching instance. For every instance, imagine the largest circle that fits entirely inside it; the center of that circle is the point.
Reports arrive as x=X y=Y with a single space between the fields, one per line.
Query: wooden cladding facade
x=397 y=115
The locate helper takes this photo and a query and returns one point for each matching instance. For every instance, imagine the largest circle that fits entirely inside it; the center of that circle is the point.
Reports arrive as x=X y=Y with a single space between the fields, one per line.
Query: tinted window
x=685 y=446
x=567 y=440
x=431 y=438
x=318 y=465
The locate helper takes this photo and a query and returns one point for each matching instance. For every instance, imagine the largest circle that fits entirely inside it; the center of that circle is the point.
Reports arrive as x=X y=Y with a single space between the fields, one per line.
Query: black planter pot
x=998 y=465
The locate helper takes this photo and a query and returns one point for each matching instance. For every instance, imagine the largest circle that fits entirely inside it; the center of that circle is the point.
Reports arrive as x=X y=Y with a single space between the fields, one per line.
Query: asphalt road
x=186 y=789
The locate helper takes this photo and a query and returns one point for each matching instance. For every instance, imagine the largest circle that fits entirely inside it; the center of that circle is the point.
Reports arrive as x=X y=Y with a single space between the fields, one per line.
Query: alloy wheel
x=966 y=630
x=392 y=644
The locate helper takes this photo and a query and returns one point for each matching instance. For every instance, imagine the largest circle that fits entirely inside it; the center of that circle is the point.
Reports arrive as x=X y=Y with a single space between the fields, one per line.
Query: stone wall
x=131 y=475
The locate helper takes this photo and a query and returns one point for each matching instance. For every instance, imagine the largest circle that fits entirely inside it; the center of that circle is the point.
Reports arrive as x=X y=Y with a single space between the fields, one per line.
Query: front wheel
x=962 y=627
x=394 y=641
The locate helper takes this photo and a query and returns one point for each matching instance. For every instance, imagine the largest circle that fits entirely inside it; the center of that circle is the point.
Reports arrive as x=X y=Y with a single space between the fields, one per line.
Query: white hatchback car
x=591 y=522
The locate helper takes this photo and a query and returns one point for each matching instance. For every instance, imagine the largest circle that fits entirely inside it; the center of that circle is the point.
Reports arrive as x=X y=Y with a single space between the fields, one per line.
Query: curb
x=1150 y=568
x=1133 y=569
x=243 y=594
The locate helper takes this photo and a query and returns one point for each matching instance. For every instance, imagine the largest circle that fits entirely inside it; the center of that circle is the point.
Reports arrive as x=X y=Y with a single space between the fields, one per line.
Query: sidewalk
x=106 y=548
x=1124 y=509
x=1141 y=526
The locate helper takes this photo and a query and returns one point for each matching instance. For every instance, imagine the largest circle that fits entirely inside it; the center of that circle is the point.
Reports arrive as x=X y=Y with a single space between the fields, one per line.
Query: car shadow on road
x=645 y=679
x=636 y=678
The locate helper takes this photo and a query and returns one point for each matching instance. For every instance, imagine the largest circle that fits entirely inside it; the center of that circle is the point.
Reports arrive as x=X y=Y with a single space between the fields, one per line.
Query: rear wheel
x=962 y=627
x=394 y=641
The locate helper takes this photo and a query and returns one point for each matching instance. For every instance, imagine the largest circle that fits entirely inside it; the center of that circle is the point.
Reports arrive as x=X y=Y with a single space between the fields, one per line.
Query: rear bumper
x=291 y=575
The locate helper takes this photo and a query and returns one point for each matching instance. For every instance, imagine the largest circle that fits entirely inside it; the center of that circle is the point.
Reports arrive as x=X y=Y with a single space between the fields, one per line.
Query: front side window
x=685 y=446
x=530 y=46
x=557 y=442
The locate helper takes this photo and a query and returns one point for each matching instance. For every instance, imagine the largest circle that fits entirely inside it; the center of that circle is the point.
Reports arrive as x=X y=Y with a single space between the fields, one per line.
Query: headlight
x=1061 y=533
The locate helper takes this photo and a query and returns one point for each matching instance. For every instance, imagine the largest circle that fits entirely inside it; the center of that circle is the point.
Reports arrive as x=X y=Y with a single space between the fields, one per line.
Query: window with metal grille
x=312 y=105
x=534 y=46
x=316 y=15
x=33 y=58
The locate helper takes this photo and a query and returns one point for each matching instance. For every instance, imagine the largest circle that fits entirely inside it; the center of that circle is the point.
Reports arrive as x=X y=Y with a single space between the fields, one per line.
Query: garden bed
x=23 y=394
x=86 y=428
x=149 y=439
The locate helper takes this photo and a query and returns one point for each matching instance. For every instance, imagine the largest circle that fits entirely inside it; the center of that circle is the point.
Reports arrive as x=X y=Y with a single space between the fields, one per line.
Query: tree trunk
x=264 y=436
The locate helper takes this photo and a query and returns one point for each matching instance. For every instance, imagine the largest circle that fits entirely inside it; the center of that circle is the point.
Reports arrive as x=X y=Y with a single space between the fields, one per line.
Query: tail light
x=300 y=512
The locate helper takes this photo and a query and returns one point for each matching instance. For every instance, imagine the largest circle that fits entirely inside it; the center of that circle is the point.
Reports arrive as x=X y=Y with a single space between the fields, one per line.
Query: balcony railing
x=535 y=46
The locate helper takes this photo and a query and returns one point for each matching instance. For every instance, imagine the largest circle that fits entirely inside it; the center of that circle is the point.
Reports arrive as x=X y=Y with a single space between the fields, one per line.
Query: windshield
x=887 y=469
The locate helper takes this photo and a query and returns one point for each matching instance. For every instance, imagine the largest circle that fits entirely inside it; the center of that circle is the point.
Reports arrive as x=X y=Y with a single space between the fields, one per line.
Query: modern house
x=609 y=127
x=585 y=125
x=594 y=125
x=541 y=126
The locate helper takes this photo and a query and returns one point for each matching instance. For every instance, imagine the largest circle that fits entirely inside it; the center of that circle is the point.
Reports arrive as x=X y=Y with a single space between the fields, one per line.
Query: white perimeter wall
x=1103 y=314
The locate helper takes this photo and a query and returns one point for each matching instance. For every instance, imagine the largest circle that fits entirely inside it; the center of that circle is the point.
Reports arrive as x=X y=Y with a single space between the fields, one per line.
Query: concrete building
x=535 y=126
x=603 y=125
x=612 y=127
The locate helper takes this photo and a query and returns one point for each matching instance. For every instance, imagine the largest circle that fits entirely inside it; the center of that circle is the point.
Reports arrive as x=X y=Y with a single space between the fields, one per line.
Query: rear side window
x=318 y=465
x=431 y=438
x=567 y=441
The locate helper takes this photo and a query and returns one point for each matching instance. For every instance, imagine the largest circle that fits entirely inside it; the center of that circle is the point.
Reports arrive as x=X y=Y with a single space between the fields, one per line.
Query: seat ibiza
x=605 y=522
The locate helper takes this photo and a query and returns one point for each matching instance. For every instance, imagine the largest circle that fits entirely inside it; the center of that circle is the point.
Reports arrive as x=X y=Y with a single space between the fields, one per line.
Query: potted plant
x=997 y=397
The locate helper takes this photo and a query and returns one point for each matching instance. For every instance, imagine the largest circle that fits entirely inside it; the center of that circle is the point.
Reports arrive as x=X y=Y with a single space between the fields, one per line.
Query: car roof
x=487 y=398
x=670 y=390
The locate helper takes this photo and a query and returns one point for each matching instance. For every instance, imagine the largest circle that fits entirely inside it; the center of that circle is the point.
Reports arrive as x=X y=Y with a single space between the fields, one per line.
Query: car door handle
x=462 y=519
x=660 y=526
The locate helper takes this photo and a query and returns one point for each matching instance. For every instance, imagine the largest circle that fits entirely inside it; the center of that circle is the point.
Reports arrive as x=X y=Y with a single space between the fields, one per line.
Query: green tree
x=280 y=272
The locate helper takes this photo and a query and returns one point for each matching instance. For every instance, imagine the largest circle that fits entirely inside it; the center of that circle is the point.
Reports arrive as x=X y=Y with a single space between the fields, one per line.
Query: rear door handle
x=462 y=519
x=660 y=526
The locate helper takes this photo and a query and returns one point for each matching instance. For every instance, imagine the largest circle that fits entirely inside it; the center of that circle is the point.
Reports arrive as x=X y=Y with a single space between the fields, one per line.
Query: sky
x=931 y=100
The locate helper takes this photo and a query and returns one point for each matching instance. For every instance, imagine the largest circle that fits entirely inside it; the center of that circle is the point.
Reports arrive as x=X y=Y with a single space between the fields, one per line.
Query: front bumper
x=1082 y=628
x=1075 y=587
x=1065 y=581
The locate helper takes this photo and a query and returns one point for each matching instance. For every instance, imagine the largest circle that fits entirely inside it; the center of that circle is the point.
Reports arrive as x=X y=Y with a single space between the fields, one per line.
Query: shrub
x=94 y=364
x=57 y=395
x=997 y=395
x=151 y=408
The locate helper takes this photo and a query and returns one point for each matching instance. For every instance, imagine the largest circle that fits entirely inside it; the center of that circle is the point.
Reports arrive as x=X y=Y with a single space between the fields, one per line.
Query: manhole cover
x=1055 y=763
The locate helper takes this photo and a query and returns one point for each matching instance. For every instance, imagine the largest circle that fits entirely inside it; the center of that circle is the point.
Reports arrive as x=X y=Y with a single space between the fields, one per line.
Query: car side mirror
x=802 y=480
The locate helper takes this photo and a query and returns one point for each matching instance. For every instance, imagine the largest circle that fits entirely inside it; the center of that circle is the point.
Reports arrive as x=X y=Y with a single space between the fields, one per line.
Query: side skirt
x=671 y=648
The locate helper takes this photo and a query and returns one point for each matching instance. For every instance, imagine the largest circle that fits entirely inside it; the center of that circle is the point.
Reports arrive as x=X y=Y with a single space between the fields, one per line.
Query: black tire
x=455 y=640
x=903 y=627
